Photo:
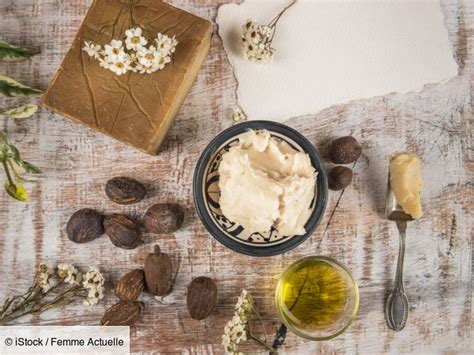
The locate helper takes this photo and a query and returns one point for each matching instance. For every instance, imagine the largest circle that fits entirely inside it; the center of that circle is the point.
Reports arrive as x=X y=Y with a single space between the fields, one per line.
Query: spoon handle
x=402 y=228
x=397 y=303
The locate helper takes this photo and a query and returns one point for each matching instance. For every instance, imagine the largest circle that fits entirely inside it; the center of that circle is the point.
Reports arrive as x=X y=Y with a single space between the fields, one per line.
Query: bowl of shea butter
x=260 y=188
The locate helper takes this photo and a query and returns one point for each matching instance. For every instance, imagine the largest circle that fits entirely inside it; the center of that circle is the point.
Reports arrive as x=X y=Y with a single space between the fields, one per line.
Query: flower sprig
x=54 y=288
x=238 y=329
x=14 y=166
x=238 y=115
x=132 y=54
x=257 y=39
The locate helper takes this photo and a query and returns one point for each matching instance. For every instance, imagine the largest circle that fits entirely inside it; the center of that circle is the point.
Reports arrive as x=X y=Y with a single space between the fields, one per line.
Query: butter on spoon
x=402 y=205
x=406 y=183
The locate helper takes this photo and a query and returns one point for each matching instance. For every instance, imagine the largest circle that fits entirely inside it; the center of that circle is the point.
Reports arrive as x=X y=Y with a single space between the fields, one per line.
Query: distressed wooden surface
x=435 y=123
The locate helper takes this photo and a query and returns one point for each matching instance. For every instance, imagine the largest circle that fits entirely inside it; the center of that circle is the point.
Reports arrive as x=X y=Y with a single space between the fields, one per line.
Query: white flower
x=236 y=329
x=94 y=295
x=166 y=45
x=162 y=62
x=105 y=63
x=92 y=49
x=239 y=333
x=93 y=276
x=255 y=33
x=114 y=50
x=238 y=114
x=135 y=57
x=45 y=282
x=44 y=274
x=143 y=69
x=44 y=269
x=256 y=42
x=148 y=57
x=233 y=335
x=150 y=61
x=69 y=274
x=135 y=40
x=120 y=65
x=93 y=282
x=226 y=340
x=244 y=302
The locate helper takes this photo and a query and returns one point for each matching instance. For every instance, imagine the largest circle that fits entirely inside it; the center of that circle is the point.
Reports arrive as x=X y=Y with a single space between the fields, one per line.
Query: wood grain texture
x=436 y=123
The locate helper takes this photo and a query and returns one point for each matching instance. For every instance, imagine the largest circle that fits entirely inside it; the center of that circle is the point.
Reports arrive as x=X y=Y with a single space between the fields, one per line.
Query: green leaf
x=24 y=111
x=7 y=152
x=13 y=152
x=17 y=191
x=11 y=53
x=3 y=137
x=14 y=168
x=23 y=180
x=10 y=87
x=27 y=167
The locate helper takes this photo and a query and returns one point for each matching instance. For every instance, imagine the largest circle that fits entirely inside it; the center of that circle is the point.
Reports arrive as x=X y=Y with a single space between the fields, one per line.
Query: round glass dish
x=317 y=298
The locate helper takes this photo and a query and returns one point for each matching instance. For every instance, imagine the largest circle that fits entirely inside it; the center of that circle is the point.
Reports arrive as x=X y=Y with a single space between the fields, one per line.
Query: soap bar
x=406 y=182
x=137 y=109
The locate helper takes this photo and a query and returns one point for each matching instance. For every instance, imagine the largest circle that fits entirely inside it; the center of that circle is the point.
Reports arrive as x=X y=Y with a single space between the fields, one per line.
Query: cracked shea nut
x=339 y=178
x=131 y=285
x=124 y=190
x=158 y=273
x=122 y=313
x=345 y=150
x=85 y=225
x=123 y=231
x=201 y=298
x=164 y=218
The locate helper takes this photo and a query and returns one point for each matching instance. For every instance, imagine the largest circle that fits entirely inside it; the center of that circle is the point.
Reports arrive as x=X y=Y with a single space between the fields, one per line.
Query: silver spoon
x=396 y=308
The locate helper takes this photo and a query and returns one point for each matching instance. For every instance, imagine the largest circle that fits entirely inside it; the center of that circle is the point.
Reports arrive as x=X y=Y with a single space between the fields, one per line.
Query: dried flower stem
x=256 y=338
x=9 y=301
x=18 y=310
x=261 y=342
x=238 y=329
x=31 y=301
x=131 y=4
x=254 y=310
x=113 y=25
x=277 y=18
x=30 y=304
x=257 y=39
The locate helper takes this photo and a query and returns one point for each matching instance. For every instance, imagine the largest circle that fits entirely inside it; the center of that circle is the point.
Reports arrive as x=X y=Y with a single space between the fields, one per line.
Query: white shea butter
x=264 y=182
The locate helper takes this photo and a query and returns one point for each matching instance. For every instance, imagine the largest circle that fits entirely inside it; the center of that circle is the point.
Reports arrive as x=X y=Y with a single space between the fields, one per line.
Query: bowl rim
x=322 y=187
x=329 y=260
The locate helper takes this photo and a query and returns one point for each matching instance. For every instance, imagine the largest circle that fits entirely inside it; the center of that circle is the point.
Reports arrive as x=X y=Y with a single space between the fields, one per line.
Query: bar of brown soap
x=134 y=108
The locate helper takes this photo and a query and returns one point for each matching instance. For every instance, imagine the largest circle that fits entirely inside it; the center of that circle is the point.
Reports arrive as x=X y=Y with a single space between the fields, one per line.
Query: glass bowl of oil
x=317 y=298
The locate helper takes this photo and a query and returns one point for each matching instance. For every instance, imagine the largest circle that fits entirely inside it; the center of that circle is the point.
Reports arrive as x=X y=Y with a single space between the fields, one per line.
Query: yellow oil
x=313 y=295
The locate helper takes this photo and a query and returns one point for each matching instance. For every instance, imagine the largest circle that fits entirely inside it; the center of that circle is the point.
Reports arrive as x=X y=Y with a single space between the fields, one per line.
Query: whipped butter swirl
x=266 y=183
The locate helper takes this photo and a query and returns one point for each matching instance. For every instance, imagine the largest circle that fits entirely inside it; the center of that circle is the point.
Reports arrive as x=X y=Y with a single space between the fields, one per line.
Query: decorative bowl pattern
x=206 y=193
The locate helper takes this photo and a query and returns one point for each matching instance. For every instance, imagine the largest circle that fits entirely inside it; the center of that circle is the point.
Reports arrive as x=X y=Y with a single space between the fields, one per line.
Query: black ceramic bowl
x=206 y=193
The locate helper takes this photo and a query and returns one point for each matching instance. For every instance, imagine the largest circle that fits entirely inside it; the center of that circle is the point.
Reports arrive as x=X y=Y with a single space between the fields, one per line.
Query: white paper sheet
x=330 y=52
